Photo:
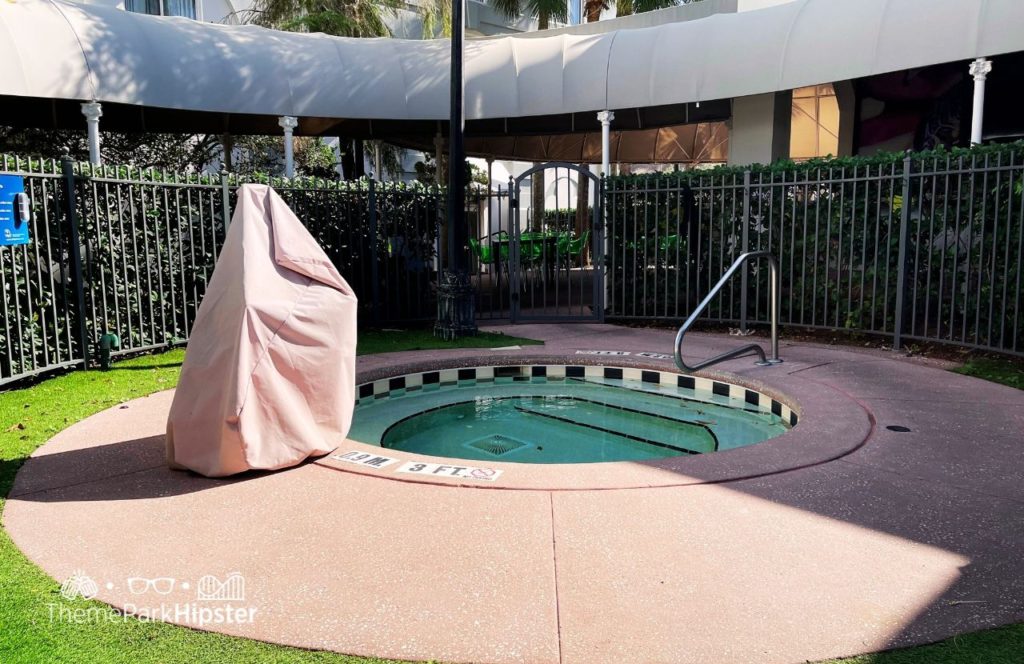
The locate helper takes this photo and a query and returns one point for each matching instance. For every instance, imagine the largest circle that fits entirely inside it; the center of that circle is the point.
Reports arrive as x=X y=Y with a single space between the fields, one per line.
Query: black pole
x=457 y=231
x=456 y=301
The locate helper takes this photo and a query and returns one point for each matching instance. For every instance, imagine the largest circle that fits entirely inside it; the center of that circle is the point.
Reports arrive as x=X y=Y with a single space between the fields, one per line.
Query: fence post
x=745 y=249
x=71 y=212
x=901 y=270
x=600 y=242
x=371 y=203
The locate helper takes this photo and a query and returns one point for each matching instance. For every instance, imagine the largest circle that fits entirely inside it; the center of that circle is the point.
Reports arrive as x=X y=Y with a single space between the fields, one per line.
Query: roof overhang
x=183 y=75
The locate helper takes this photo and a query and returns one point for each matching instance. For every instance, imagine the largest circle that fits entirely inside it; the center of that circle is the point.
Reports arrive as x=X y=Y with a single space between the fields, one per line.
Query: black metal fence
x=130 y=252
x=925 y=247
x=487 y=214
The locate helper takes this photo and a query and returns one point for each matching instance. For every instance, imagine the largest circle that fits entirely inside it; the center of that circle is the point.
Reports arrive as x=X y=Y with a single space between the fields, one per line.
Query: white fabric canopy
x=54 y=49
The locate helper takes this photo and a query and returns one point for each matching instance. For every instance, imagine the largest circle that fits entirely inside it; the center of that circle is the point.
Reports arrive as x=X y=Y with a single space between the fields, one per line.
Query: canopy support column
x=93 y=111
x=979 y=69
x=289 y=123
x=605 y=118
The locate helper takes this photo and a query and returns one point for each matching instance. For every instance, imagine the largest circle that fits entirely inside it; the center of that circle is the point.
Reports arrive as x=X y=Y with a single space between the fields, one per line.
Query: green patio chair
x=484 y=253
x=501 y=239
x=577 y=245
x=564 y=245
x=531 y=251
x=668 y=243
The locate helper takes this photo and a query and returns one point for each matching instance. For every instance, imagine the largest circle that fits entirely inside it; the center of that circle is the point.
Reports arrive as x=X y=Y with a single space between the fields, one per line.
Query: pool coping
x=875 y=551
x=812 y=442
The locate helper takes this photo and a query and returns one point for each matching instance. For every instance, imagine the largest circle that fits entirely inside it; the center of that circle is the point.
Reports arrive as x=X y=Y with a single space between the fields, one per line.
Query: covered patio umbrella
x=269 y=374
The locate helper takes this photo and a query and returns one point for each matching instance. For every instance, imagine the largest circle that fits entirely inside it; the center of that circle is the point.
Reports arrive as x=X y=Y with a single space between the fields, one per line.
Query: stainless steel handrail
x=775 y=299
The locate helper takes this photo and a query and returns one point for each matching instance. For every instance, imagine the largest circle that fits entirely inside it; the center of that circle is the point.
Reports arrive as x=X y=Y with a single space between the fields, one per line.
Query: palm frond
x=437 y=19
x=345 y=18
x=641 y=6
x=557 y=10
x=508 y=8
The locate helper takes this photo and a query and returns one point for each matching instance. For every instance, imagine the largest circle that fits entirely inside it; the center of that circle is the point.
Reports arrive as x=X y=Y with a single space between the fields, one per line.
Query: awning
x=184 y=72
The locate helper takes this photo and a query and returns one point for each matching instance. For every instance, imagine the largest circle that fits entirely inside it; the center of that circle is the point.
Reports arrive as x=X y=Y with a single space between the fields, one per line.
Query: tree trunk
x=582 y=222
x=227 y=142
x=348 y=164
x=584 y=219
x=537 y=198
x=359 y=159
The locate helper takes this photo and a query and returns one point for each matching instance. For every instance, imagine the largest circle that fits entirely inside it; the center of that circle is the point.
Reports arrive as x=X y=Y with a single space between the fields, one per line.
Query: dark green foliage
x=149 y=241
x=835 y=226
x=179 y=152
x=563 y=219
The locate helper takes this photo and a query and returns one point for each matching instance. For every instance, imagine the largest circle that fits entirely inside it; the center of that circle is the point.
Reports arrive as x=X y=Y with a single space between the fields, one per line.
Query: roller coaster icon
x=231 y=589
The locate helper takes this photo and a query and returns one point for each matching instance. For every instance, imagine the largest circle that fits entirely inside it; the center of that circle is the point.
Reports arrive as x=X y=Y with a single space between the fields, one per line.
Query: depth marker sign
x=416 y=468
x=442 y=470
x=364 y=459
x=624 y=353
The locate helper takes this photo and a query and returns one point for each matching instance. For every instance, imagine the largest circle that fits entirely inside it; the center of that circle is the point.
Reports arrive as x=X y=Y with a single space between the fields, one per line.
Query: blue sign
x=15 y=212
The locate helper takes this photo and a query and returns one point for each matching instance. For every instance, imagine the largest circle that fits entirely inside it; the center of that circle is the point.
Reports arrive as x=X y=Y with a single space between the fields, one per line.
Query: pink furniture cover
x=269 y=374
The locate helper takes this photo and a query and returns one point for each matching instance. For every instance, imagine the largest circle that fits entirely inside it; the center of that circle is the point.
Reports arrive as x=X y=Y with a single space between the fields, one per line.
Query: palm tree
x=343 y=18
x=437 y=18
x=627 y=7
x=544 y=10
x=592 y=8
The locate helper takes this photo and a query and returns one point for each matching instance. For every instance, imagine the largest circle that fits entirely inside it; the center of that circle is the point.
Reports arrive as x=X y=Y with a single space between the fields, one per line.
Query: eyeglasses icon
x=162 y=586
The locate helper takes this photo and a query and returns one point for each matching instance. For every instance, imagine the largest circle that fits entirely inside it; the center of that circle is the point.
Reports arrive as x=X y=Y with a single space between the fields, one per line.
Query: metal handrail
x=775 y=298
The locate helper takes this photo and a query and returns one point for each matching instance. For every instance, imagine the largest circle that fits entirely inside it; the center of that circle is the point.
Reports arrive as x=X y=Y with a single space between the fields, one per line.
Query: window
x=186 y=8
x=815 y=128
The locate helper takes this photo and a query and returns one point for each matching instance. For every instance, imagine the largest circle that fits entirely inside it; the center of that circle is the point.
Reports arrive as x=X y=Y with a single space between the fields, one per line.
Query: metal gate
x=556 y=255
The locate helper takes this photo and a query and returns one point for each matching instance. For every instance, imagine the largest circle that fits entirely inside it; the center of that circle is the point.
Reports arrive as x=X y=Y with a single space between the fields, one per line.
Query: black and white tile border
x=468 y=376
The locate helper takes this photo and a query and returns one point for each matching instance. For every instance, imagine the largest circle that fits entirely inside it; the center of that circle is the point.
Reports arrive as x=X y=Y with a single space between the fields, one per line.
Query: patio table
x=534 y=247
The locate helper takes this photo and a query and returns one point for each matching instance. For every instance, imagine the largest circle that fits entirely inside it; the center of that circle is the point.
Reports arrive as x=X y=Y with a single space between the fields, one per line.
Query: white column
x=979 y=70
x=288 y=123
x=93 y=111
x=760 y=128
x=605 y=118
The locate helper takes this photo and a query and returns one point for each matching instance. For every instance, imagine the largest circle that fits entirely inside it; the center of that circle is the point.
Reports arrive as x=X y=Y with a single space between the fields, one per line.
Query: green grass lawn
x=388 y=341
x=31 y=416
x=1007 y=372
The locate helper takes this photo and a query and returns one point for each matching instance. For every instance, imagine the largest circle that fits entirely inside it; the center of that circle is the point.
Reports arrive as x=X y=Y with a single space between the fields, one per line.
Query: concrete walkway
x=845 y=537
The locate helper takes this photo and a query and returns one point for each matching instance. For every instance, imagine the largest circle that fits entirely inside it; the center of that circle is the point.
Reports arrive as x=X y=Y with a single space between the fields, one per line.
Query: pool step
x=635 y=425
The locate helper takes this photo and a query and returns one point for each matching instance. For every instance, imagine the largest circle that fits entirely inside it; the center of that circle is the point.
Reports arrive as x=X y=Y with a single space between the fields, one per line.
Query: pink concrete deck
x=844 y=537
